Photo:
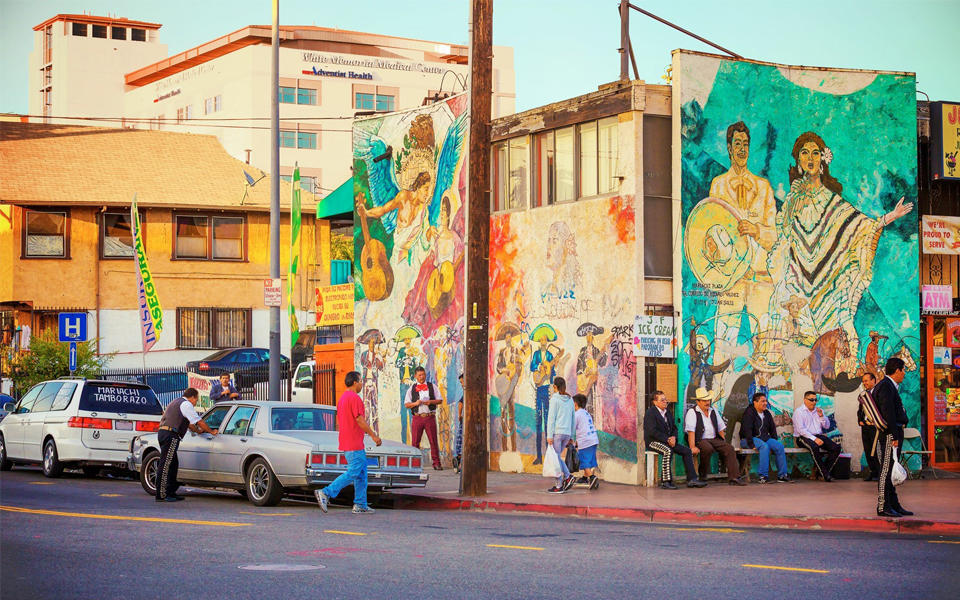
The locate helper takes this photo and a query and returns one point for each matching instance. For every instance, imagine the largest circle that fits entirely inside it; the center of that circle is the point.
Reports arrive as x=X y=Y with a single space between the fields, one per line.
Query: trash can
x=842 y=468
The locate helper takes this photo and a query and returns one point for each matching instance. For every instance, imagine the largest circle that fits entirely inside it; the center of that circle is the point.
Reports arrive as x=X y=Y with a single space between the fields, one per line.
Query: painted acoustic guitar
x=542 y=375
x=377 y=272
x=440 y=286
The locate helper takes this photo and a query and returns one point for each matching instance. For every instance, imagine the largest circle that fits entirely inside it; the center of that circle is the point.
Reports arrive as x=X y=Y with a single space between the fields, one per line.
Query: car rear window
x=303 y=419
x=119 y=398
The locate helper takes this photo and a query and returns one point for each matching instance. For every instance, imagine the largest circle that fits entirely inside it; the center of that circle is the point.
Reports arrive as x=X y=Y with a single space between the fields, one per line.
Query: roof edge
x=97 y=21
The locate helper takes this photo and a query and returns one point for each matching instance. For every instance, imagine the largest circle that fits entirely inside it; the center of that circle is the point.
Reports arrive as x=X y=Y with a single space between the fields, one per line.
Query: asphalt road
x=217 y=545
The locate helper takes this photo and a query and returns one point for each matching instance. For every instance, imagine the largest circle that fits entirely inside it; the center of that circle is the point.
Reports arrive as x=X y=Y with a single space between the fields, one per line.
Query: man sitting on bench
x=808 y=425
x=660 y=433
x=757 y=430
x=705 y=435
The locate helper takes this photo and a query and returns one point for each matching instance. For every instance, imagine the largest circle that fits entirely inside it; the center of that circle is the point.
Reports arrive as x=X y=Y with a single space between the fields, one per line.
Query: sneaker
x=555 y=490
x=583 y=480
x=762 y=479
x=357 y=509
x=322 y=500
x=784 y=479
x=696 y=483
x=567 y=483
x=594 y=482
x=668 y=485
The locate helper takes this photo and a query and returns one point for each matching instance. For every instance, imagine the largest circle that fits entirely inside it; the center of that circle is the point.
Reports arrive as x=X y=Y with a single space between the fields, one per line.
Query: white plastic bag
x=551 y=463
x=899 y=474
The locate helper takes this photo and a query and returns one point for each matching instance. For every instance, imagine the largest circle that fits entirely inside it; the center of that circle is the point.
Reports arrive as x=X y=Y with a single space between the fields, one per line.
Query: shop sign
x=390 y=64
x=941 y=355
x=936 y=299
x=945 y=140
x=334 y=305
x=654 y=336
x=953 y=404
x=940 y=235
x=345 y=74
x=953 y=333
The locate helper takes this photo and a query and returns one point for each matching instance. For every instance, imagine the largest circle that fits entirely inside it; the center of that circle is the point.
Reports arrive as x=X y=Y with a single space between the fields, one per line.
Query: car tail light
x=316 y=459
x=90 y=423
x=415 y=463
x=330 y=459
x=148 y=426
x=203 y=366
x=343 y=459
x=404 y=462
x=391 y=461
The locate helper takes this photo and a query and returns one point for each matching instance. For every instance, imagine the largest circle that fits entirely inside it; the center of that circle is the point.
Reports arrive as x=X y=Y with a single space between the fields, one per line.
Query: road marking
x=785 y=568
x=343 y=532
x=256 y=514
x=942 y=542
x=110 y=495
x=34 y=511
x=713 y=529
x=513 y=547
x=41 y=483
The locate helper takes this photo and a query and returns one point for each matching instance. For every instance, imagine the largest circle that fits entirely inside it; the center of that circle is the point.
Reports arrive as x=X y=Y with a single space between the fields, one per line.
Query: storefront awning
x=337 y=202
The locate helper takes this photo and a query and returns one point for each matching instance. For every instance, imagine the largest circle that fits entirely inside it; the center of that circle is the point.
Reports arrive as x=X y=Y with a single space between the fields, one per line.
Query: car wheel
x=5 y=464
x=52 y=467
x=263 y=488
x=148 y=473
x=90 y=471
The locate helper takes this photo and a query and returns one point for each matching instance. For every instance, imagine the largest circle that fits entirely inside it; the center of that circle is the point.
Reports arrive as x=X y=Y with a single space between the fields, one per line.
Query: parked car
x=4 y=400
x=249 y=365
x=266 y=450
x=77 y=422
x=303 y=382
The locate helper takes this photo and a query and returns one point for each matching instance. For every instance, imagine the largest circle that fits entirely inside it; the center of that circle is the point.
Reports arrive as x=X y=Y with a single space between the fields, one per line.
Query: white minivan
x=75 y=422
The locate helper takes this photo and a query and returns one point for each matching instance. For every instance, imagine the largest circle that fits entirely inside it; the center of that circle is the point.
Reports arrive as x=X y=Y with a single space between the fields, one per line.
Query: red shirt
x=349 y=407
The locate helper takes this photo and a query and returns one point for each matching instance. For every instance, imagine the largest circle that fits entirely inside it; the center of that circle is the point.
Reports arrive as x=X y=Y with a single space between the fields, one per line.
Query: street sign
x=73 y=327
x=272 y=292
x=73 y=357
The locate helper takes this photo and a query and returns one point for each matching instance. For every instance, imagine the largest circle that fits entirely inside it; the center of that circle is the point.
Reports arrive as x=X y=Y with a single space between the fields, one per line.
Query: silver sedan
x=268 y=449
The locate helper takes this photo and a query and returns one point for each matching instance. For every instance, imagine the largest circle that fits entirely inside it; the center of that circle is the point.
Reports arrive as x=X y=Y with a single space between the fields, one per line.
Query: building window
x=80 y=29
x=204 y=328
x=384 y=103
x=554 y=167
x=287 y=94
x=588 y=159
x=211 y=105
x=657 y=192
x=608 y=155
x=510 y=174
x=48 y=76
x=47 y=44
x=138 y=35
x=46 y=234
x=306 y=96
x=309 y=184
x=210 y=238
x=116 y=235
x=307 y=140
x=288 y=139
x=99 y=31
x=118 y=33
x=363 y=101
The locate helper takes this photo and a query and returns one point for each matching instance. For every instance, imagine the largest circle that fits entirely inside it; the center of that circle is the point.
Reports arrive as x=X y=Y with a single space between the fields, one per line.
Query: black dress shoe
x=668 y=485
x=170 y=499
x=696 y=483
x=437 y=468
x=904 y=512
x=889 y=513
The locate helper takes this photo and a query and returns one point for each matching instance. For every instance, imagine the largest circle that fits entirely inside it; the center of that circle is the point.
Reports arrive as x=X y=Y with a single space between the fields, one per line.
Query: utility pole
x=473 y=481
x=624 y=39
x=274 y=387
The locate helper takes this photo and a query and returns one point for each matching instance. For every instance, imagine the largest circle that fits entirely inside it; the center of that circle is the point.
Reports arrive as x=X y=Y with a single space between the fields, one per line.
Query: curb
x=865 y=524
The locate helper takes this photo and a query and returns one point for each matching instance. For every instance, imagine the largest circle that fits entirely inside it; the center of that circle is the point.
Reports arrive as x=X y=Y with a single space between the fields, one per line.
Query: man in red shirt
x=352 y=426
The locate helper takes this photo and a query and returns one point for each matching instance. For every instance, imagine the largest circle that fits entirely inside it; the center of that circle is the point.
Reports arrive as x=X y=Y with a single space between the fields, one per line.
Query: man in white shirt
x=422 y=400
x=705 y=435
x=178 y=417
x=808 y=425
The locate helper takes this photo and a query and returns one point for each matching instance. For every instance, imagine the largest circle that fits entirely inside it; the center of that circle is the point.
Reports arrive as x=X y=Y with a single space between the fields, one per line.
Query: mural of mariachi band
x=800 y=261
x=410 y=190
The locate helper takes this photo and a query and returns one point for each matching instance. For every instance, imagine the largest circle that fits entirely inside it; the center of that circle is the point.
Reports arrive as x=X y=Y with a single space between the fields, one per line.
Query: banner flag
x=151 y=314
x=294 y=255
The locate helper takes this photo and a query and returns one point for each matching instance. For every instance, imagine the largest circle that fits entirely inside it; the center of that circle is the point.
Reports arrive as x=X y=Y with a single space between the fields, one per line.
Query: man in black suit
x=660 y=434
x=868 y=431
x=887 y=396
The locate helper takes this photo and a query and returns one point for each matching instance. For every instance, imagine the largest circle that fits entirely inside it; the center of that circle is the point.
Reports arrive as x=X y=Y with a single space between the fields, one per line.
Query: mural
x=560 y=308
x=410 y=188
x=799 y=265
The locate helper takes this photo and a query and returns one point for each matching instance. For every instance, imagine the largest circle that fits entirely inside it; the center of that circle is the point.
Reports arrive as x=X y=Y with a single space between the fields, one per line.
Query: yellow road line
x=41 y=483
x=343 y=532
x=513 y=547
x=110 y=495
x=785 y=568
x=34 y=511
x=713 y=529
x=942 y=542
x=256 y=514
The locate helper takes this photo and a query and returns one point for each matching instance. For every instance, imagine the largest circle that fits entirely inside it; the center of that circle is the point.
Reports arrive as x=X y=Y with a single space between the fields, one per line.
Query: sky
x=562 y=48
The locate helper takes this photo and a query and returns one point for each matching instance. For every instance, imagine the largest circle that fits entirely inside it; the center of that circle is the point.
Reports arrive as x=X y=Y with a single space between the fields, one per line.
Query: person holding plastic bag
x=886 y=394
x=560 y=428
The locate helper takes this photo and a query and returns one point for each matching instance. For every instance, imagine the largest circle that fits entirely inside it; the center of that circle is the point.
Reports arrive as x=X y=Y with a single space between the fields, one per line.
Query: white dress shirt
x=423 y=395
x=690 y=423
x=806 y=422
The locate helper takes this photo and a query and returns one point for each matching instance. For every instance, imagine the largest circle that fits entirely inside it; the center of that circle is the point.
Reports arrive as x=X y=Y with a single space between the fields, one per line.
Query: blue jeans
x=764 y=448
x=560 y=442
x=543 y=410
x=356 y=474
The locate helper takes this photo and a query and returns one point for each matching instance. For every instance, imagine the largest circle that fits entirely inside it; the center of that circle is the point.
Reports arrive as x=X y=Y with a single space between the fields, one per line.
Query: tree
x=50 y=359
x=341 y=247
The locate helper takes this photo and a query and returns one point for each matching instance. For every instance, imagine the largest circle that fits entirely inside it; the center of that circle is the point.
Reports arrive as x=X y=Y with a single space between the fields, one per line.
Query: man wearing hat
x=705 y=435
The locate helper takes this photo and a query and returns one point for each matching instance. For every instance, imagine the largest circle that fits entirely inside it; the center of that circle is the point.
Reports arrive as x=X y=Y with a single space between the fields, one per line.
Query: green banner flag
x=294 y=255
x=151 y=314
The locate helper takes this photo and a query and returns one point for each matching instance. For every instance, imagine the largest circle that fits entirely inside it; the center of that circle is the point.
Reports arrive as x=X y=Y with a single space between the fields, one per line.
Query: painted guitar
x=440 y=286
x=377 y=272
x=542 y=375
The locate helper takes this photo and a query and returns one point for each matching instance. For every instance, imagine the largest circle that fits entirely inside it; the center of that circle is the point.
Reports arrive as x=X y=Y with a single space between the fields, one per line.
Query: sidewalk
x=840 y=505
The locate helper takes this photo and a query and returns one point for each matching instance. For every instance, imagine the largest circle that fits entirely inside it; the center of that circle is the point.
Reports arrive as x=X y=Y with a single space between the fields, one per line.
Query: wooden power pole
x=473 y=481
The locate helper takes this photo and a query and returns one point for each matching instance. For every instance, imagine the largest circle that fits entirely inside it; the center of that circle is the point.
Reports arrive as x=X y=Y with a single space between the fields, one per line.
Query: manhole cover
x=282 y=567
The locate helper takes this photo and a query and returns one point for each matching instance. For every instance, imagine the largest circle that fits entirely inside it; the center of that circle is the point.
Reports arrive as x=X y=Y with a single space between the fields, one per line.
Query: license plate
x=123 y=425
x=373 y=462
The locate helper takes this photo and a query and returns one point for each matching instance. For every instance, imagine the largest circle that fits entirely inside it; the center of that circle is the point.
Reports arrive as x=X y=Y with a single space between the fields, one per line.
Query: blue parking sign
x=73 y=327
